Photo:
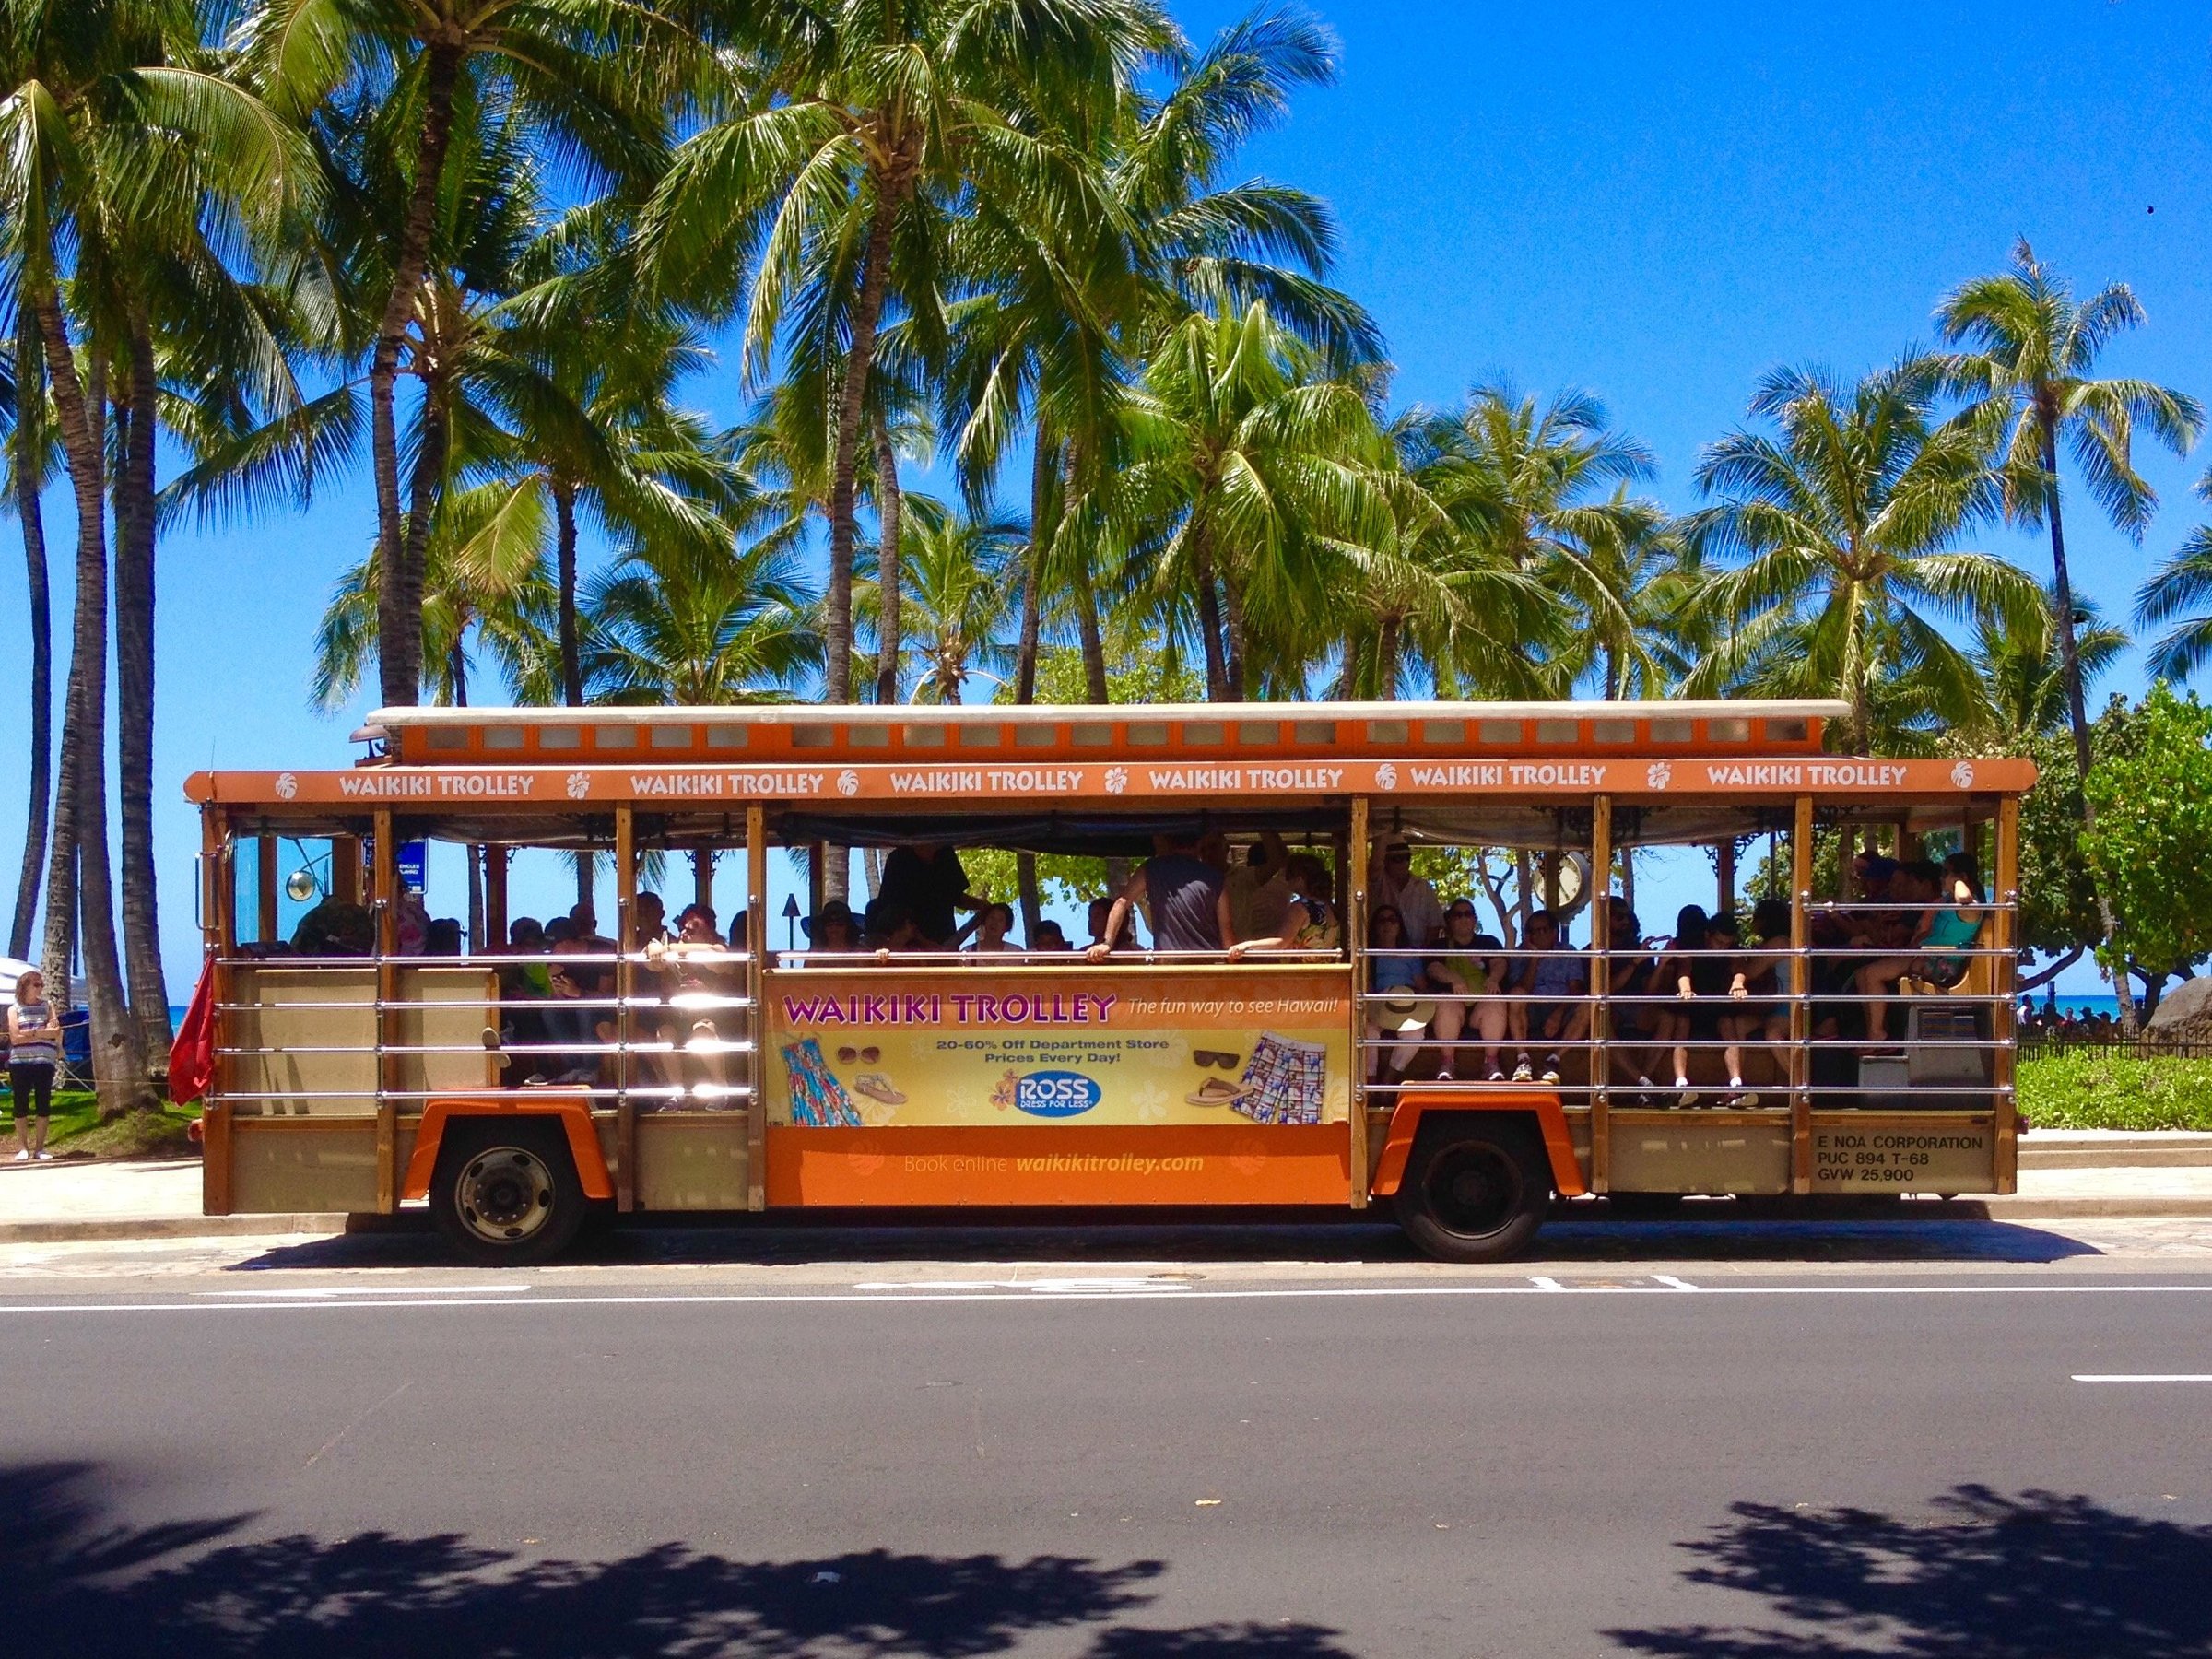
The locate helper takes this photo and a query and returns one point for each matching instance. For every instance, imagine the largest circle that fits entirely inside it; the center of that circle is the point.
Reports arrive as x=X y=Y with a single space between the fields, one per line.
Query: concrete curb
x=108 y=1228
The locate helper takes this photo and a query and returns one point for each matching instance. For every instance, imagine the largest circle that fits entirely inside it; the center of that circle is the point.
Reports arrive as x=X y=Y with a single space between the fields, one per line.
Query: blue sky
x=1656 y=203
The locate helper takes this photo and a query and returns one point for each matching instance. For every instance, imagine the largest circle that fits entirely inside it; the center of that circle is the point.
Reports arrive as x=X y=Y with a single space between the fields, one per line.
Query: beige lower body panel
x=692 y=1161
x=1858 y=1152
x=1700 y=1152
x=302 y=1165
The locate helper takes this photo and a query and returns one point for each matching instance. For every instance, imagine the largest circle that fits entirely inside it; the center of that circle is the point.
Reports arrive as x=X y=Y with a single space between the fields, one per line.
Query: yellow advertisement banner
x=1131 y=1046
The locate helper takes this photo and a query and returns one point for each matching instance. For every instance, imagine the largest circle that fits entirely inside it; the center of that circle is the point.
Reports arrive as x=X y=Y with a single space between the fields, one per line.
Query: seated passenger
x=1942 y=932
x=1762 y=989
x=649 y=919
x=1393 y=1003
x=334 y=928
x=1100 y=916
x=1180 y=891
x=1703 y=981
x=1050 y=937
x=1630 y=979
x=889 y=926
x=1552 y=983
x=703 y=982
x=1311 y=886
x=444 y=937
x=993 y=924
x=830 y=931
x=1391 y=880
x=1468 y=976
x=579 y=1039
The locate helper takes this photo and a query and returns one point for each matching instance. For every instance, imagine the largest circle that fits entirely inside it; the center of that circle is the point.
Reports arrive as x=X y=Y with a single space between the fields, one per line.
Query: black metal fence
x=2149 y=1045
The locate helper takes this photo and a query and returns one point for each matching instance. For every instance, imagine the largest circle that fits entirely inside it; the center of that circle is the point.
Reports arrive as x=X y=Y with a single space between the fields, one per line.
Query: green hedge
x=2088 y=1090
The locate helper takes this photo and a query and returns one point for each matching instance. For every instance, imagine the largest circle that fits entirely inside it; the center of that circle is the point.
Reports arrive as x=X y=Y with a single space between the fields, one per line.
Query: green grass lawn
x=2087 y=1090
x=75 y=1128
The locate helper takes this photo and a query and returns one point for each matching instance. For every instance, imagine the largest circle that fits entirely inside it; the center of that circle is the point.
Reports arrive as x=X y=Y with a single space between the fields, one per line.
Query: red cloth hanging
x=191 y=1055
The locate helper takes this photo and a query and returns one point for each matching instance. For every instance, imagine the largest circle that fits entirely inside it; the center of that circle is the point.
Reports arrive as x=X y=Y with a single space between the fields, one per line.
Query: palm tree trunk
x=1089 y=638
x=1348 y=669
x=2077 y=713
x=1209 y=620
x=426 y=485
x=30 y=444
x=867 y=310
x=134 y=533
x=399 y=599
x=1233 y=613
x=889 y=510
x=564 y=559
x=118 y=1062
x=1045 y=477
x=1386 y=658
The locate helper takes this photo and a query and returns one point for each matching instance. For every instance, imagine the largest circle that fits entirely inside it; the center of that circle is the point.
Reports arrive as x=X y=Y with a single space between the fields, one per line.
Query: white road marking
x=2144 y=1377
x=1023 y=1298
x=1672 y=1283
x=1042 y=1287
x=1541 y=1283
x=500 y=1290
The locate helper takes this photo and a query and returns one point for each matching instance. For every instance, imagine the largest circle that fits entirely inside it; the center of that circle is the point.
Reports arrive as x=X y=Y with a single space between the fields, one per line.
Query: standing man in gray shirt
x=1180 y=888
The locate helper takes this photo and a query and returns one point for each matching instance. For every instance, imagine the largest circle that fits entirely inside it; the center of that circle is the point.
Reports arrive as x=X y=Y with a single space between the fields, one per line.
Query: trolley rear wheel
x=1474 y=1193
x=505 y=1191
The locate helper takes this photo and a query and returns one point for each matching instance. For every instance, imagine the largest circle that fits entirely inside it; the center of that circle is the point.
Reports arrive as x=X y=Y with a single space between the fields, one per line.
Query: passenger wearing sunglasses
x=1469 y=965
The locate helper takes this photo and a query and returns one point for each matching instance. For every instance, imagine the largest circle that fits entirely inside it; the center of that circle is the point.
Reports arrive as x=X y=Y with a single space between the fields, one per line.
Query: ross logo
x=1962 y=774
x=580 y=785
x=1386 y=776
x=848 y=782
x=1056 y=1094
x=1117 y=779
x=286 y=786
x=1658 y=775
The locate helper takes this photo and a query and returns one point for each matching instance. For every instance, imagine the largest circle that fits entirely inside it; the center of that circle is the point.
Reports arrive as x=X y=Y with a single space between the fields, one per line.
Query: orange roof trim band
x=568 y=788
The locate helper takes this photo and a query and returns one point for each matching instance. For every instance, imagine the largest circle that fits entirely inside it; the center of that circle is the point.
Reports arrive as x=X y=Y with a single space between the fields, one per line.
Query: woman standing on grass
x=34 y=1053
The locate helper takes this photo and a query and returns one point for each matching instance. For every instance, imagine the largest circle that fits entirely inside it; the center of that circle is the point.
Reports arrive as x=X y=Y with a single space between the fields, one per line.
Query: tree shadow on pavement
x=81 y=1585
x=1987 y=1576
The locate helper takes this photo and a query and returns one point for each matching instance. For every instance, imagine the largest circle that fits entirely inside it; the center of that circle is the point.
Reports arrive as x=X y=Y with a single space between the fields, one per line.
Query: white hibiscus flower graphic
x=1658 y=775
x=848 y=782
x=580 y=785
x=1962 y=774
x=286 y=786
x=1117 y=779
x=1386 y=776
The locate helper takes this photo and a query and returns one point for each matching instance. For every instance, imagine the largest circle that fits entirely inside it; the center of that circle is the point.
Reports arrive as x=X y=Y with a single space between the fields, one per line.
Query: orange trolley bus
x=1856 y=1039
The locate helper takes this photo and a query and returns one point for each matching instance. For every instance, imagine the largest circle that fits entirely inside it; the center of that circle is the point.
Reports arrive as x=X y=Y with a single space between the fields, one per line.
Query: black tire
x=1475 y=1191
x=505 y=1191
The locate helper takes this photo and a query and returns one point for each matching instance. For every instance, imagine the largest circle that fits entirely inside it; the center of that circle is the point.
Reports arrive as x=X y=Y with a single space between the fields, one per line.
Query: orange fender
x=1415 y=1099
x=573 y=1111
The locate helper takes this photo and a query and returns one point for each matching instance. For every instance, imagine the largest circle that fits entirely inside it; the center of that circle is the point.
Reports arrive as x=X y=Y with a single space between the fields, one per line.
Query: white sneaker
x=23 y=1156
x=43 y=1156
x=1551 y=1068
x=1690 y=1095
x=1521 y=1073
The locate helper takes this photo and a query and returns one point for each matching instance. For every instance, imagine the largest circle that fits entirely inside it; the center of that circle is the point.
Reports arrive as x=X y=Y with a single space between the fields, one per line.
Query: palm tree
x=1066 y=311
x=593 y=78
x=1540 y=487
x=683 y=625
x=2024 y=676
x=485 y=570
x=1841 y=523
x=2031 y=369
x=1250 y=468
x=958 y=598
x=2178 y=597
x=2032 y=372
x=870 y=129
x=117 y=139
x=30 y=460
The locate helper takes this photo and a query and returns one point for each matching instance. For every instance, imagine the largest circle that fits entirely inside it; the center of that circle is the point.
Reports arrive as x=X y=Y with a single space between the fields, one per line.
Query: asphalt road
x=1788 y=1444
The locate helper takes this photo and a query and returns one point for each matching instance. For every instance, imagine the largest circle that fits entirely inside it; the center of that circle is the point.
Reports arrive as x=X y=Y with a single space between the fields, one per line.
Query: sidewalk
x=2063 y=1174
